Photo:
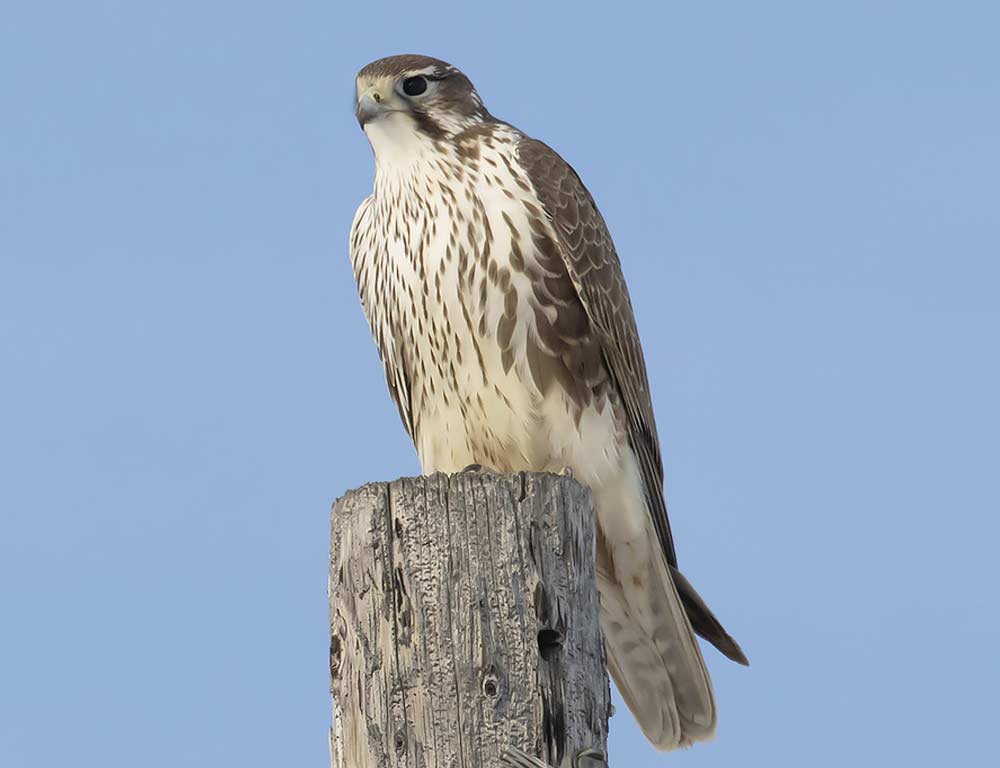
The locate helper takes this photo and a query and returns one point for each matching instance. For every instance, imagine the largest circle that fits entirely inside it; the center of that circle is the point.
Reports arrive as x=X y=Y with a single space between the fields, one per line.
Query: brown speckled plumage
x=498 y=305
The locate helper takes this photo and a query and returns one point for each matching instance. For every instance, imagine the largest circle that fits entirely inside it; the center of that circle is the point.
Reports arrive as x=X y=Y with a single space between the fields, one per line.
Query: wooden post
x=464 y=620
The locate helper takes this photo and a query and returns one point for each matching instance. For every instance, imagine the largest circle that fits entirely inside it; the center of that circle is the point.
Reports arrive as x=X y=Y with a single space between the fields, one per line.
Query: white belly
x=478 y=403
x=510 y=428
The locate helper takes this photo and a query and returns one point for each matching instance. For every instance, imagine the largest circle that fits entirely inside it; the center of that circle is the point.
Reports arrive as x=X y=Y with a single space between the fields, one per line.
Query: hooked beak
x=372 y=104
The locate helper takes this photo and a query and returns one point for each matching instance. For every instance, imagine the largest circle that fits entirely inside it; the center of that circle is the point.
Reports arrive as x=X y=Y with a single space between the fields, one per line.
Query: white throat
x=400 y=149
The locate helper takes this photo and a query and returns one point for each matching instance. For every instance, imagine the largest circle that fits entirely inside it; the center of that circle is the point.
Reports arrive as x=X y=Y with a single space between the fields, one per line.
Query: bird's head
x=402 y=98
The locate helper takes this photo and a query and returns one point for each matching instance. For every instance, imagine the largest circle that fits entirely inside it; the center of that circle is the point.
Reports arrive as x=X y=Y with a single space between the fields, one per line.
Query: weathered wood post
x=463 y=620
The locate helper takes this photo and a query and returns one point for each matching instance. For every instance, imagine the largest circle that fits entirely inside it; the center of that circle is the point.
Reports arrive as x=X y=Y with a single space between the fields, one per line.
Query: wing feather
x=593 y=266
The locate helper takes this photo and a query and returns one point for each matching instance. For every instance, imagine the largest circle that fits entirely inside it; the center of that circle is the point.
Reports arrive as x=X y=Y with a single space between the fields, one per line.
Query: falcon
x=497 y=302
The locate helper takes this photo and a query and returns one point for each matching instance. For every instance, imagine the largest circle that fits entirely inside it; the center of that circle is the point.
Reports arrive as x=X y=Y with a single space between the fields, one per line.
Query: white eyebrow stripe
x=425 y=71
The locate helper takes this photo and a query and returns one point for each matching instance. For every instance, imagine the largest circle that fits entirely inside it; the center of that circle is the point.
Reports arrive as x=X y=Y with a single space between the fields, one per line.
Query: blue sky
x=805 y=200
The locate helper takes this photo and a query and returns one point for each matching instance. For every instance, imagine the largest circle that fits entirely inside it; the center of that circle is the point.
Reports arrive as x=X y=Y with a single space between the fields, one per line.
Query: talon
x=474 y=468
x=588 y=758
x=517 y=758
x=566 y=471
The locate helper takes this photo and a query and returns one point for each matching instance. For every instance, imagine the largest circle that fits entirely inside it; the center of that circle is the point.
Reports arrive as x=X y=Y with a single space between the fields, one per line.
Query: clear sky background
x=807 y=205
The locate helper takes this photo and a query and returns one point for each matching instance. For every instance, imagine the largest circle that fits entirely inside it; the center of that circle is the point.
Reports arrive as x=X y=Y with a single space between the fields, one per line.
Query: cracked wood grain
x=463 y=620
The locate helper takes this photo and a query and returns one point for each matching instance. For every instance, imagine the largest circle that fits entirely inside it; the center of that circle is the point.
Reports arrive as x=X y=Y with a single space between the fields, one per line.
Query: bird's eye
x=414 y=86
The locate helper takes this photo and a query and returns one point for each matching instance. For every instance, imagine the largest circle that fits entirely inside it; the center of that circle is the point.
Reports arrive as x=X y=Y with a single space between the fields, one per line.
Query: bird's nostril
x=377 y=97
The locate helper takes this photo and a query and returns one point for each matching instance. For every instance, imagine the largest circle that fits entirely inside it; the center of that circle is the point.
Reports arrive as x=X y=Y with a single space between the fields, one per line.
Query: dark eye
x=414 y=86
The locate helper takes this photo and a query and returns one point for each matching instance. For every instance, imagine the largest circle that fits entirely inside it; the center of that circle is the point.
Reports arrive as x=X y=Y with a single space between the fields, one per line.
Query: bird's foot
x=517 y=758
x=587 y=758
x=590 y=758
x=566 y=471
x=474 y=468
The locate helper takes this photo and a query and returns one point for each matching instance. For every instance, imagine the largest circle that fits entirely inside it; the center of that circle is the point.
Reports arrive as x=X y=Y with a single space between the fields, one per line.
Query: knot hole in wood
x=549 y=643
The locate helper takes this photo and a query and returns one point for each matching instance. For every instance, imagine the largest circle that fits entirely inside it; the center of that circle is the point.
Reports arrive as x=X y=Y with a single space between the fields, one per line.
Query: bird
x=496 y=299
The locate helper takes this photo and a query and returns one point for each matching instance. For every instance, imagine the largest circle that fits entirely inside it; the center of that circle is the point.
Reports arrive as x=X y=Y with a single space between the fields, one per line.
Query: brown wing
x=594 y=268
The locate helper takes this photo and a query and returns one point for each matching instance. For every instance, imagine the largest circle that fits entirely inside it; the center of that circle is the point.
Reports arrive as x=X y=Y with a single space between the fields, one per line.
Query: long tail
x=653 y=656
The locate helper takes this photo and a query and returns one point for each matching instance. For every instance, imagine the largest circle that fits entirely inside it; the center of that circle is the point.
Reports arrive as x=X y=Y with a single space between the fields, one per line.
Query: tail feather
x=653 y=656
x=637 y=670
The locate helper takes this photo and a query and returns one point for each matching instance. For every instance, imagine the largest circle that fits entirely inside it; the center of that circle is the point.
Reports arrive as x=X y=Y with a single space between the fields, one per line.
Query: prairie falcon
x=497 y=302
